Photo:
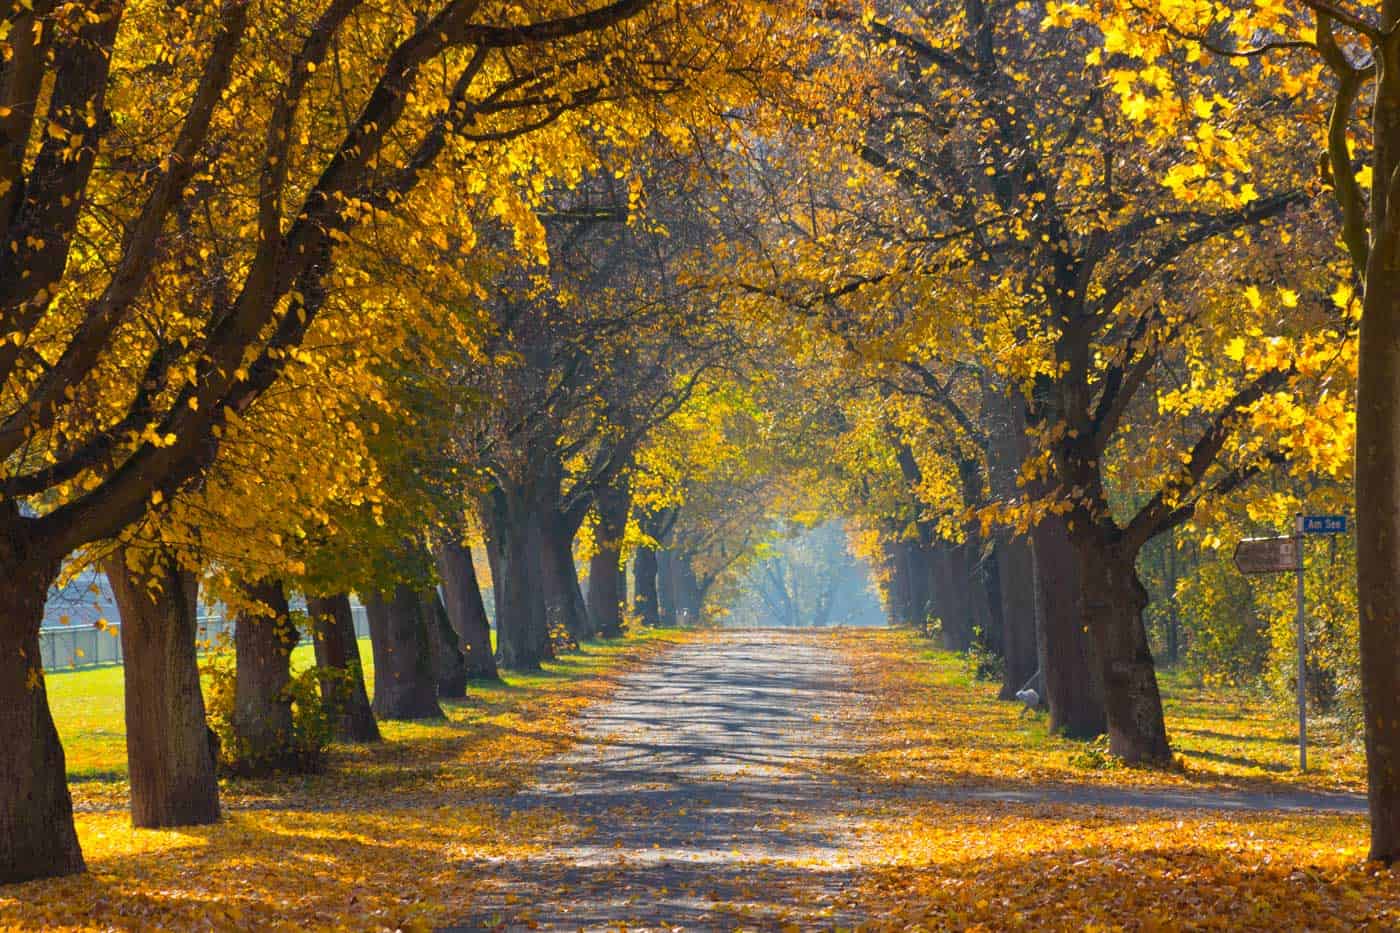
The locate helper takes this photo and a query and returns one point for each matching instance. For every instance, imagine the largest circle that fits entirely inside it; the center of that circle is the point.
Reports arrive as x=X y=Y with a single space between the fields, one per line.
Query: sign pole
x=1302 y=656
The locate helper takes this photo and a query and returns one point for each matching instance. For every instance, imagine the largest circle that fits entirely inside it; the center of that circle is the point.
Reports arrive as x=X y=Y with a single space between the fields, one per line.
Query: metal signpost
x=1279 y=555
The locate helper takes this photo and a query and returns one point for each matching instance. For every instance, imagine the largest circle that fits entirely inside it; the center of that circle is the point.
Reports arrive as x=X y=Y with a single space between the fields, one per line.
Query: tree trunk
x=522 y=625
x=644 y=572
x=37 y=838
x=1016 y=579
x=1114 y=600
x=953 y=585
x=169 y=755
x=1378 y=466
x=559 y=575
x=264 y=738
x=465 y=608
x=1068 y=672
x=607 y=582
x=337 y=647
x=666 y=586
x=686 y=590
x=403 y=665
x=449 y=666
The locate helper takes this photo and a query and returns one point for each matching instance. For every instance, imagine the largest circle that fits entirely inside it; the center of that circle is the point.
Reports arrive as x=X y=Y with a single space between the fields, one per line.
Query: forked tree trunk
x=1378 y=463
x=404 y=687
x=1069 y=674
x=264 y=738
x=647 y=602
x=449 y=666
x=337 y=647
x=37 y=838
x=607 y=583
x=170 y=759
x=466 y=609
x=1114 y=600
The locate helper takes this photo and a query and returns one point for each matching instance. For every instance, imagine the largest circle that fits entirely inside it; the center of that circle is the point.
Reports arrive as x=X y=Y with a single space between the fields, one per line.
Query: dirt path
x=698 y=798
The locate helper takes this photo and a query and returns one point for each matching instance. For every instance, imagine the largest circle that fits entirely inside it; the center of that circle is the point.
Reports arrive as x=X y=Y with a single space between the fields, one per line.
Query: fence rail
x=70 y=647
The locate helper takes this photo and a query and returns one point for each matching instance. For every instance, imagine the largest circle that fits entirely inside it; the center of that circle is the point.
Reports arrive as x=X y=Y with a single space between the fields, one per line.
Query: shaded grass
x=940 y=863
x=379 y=841
x=1221 y=737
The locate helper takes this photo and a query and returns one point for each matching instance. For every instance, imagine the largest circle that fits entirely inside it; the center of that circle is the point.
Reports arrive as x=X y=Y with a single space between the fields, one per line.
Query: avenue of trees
x=570 y=311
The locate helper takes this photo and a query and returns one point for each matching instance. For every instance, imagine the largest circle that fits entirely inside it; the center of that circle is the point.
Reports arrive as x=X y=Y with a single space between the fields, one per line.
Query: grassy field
x=90 y=712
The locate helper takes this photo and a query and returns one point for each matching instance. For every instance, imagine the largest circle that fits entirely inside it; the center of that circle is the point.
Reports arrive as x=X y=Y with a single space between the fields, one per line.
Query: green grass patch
x=89 y=706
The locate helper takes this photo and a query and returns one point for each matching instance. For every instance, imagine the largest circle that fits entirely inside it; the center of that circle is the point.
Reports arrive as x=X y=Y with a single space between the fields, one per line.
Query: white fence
x=68 y=647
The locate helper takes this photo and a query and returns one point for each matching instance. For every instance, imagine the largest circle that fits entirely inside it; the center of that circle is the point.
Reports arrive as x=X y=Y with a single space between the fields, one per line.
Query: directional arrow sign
x=1267 y=555
x=1325 y=524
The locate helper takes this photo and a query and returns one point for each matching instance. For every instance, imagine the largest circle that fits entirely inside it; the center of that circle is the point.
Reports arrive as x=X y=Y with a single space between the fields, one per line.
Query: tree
x=1358 y=139
x=104 y=414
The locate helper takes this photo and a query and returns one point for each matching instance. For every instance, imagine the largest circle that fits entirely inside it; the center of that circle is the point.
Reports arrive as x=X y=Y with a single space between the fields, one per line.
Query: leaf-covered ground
x=940 y=856
x=796 y=780
x=378 y=841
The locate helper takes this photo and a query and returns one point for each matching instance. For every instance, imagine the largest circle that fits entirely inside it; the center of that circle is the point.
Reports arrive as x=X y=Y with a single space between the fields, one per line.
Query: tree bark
x=562 y=592
x=522 y=626
x=1016 y=579
x=647 y=603
x=170 y=759
x=1069 y=674
x=1378 y=465
x=466 y=609
x=337 y=647
x=449 y=665
x=607 y=582
x=264 y=738
x=953 y=585
x=1007 y=451
x=37 y=838
x=686 y=589
x=1114 y=600
x=403 y=667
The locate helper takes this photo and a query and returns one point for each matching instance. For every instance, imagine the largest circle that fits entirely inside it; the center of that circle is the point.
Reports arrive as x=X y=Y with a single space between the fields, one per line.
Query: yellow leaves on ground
x=941 y=726
x=986 y=866
x=378 y=842
x=952 y=860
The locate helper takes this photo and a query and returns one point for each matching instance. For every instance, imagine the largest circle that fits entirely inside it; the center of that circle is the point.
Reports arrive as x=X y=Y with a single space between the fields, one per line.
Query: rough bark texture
x=404 y=687
x=168 y=752
x=449 y=666
x=562 y=592
x=264 y=739
x=37 y=838
x=1069 y=674
x=1114 y=600
x=522 y=626
x=465 y=608
x=338 y=648
x=607 y=583
x=1378 y=466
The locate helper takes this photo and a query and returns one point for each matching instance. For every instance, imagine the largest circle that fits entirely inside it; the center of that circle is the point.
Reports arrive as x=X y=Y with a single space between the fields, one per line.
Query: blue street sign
x=1324 y=524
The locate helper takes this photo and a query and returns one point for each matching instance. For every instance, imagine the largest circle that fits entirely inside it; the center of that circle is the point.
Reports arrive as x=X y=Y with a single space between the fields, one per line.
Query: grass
x=946 y=857
x=1222 y=738
x=89 y=708
x=386 y=838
